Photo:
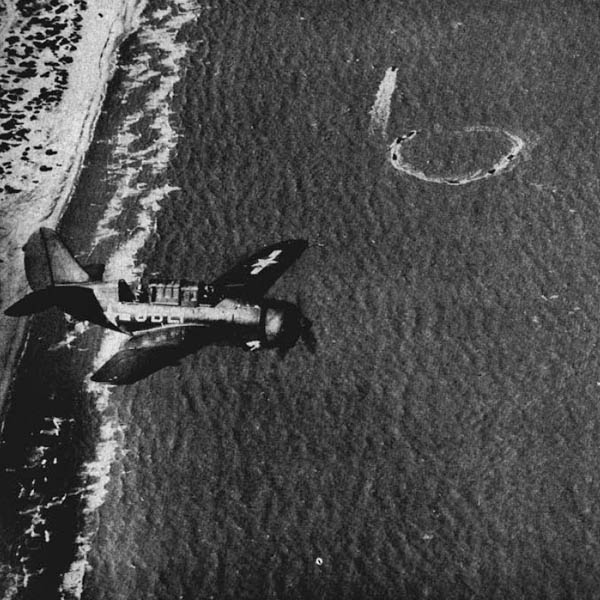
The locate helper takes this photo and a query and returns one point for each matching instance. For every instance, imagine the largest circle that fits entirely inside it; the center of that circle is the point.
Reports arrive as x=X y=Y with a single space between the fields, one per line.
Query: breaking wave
x=158 y=37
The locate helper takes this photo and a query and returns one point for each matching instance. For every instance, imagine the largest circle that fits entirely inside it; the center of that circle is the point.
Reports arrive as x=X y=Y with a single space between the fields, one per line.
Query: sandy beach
x=54 y=70
x=146 y=82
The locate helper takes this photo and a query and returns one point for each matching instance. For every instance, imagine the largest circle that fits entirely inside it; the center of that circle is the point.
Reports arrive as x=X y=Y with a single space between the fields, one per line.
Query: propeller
x=307 y=335
x=305 y=332
x=299 y=328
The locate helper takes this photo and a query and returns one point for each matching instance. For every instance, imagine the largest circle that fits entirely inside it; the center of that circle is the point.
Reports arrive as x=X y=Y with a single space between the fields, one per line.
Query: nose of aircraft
x=275 y=323
x=285 y=324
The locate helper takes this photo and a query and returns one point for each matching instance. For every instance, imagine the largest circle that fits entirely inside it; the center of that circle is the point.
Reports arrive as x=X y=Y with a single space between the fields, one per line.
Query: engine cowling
x=282 y=324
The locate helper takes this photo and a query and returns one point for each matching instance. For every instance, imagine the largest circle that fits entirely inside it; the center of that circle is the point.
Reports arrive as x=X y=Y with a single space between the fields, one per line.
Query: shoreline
x=46 y=161
x=150 y=76
x=160 y=32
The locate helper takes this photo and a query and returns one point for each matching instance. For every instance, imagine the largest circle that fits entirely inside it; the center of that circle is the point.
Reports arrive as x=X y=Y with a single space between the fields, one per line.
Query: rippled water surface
x=443 y=440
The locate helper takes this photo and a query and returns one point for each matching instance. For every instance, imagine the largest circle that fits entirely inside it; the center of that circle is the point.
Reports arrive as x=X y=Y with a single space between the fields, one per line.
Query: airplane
x=164 y=319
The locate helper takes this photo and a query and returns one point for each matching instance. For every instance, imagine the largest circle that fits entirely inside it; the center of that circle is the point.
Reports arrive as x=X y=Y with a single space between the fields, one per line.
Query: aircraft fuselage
x=166 y=319
x=244 y=321
x=236 y=321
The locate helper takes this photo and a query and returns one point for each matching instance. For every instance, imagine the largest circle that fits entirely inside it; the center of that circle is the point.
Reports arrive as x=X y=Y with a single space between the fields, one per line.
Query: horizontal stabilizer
x=33 y=303
x=82 y=304
x=79 y=302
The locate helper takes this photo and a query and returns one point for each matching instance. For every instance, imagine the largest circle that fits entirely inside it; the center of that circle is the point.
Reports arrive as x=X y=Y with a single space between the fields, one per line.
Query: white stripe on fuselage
x=226 y=310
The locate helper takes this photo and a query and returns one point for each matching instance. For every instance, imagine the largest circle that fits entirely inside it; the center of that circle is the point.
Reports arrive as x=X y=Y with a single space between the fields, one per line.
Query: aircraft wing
x=147 y=352
x=251 y=278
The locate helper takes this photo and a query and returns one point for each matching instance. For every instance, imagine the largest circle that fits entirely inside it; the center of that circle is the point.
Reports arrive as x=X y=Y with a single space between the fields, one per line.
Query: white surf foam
x=43 y=164
x=158 y=34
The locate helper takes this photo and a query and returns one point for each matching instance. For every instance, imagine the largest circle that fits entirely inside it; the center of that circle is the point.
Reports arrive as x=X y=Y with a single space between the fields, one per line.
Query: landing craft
x=166 y=320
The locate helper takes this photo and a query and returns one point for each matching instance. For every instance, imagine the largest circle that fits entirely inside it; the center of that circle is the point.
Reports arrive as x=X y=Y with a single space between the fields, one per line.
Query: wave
x=158 y=37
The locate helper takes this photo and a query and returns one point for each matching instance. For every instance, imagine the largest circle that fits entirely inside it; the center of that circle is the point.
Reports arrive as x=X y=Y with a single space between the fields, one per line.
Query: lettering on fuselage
x=152 y=317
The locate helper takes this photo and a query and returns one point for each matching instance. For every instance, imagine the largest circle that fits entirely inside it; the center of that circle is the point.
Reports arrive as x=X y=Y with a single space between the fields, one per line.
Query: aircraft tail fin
x=48 y=261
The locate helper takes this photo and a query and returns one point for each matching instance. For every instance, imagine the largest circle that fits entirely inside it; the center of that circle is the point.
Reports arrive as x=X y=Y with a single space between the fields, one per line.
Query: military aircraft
x=166 y=320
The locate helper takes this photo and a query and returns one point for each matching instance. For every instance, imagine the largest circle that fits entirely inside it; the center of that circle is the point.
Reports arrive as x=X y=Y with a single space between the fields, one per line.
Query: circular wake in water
x=503 y=164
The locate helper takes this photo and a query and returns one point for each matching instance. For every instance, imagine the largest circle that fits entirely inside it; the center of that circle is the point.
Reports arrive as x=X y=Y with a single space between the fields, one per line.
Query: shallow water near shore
x=443 y=441
x=55 y=475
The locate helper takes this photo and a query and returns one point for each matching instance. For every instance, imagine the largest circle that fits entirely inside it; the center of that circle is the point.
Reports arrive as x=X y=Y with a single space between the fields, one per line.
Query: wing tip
x=300 y=243
x=99 y=378
x=115 y=371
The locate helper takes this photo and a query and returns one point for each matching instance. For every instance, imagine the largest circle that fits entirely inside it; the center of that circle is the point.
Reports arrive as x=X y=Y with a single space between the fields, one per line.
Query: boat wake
x=378 y=126
x=506 y=162
x=380 y=112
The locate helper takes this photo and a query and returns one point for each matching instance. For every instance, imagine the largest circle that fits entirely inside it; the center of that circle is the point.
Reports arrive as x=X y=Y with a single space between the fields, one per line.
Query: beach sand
x=129 y=191
x=55 y=65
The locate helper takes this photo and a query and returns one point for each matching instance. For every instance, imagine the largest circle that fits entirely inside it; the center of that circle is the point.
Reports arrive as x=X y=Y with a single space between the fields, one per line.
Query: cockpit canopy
x=180 y=293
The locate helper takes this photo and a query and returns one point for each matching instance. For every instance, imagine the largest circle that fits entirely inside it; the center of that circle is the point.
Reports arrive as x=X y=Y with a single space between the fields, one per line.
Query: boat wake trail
x=380 y=116
x=380 y=112
x=505 y=163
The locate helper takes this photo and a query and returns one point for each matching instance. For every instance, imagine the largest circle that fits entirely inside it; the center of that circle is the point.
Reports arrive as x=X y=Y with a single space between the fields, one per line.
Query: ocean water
x=442 y=442
x=62 y=436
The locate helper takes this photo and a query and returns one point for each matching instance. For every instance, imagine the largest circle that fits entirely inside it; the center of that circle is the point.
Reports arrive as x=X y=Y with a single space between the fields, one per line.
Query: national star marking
x=263 y=263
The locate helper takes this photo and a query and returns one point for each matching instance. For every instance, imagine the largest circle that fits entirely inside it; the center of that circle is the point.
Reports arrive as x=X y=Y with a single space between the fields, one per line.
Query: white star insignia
x=262 y=263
